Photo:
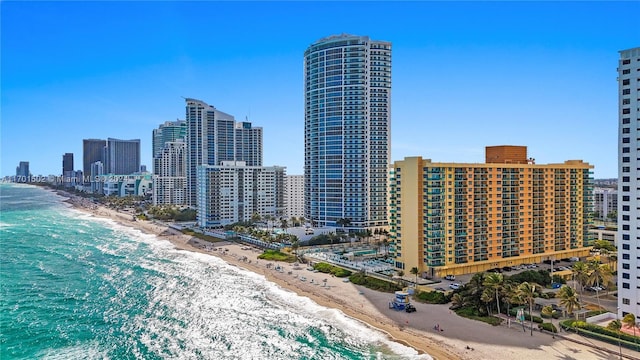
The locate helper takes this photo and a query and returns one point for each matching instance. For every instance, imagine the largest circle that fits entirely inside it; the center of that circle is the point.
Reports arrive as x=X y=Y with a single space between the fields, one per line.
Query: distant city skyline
x=466 y=75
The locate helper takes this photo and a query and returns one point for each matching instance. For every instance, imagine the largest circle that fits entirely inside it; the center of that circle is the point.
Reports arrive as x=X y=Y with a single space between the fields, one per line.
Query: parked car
x=410 y=308
x=455 y=286
x=450 y=277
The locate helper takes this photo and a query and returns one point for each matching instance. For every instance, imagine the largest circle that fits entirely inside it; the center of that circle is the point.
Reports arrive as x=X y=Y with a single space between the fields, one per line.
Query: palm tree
x=284 y=224
x=414 y=270
x=629 y=321
x=508 y=292
x=569 y=299
x=548 y=311
x=255 y=218
x=458 y=301
x=400 y=275
x=599 y=274
x=580 y=274
x=295 y=244
x=494 y=282
x=343 y=222
x=527 y=293
x=486 y=298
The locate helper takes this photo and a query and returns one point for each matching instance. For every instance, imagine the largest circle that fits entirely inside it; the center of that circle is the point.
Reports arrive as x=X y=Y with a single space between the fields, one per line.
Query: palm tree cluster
x=594 y=274
x=493 y=293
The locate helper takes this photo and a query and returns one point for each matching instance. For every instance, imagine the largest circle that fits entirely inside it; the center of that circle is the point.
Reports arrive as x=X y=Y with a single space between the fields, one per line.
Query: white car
x=455 y=286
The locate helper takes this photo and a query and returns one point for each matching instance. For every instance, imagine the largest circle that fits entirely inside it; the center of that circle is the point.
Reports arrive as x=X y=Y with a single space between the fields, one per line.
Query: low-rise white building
x=139 y=184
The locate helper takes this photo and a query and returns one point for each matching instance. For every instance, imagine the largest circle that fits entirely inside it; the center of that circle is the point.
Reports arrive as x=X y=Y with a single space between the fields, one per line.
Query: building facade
x=22 y=172
x=347 y=88
x=96 y=176
x=211 y=139
x=92 y=151
x=139 y=184
x=68 y=174
x=170 y=178
x=233 y=192
x=451 y=219
x=122 y=156
x=170 y=131
x=605 y=203
x=628 y=183
x=294 y=196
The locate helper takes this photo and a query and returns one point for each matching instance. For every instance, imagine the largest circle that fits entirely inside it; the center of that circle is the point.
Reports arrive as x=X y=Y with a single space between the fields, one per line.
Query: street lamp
x=619 y=345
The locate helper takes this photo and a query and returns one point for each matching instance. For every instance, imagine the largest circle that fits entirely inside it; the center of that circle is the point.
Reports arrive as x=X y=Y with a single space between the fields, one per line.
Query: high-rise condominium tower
x=92 y=151
x=214 y=137
x=628 y=183
x=347 y=87
x=122 y=157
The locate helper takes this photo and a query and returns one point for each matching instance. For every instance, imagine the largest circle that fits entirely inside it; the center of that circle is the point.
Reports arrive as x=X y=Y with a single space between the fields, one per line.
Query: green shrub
x=548 y=327
x=276 y=256
x=432 y=297
x=330 y=269
x=373 y=283
x=550 y=295
x=472 y=313
x=604 y=331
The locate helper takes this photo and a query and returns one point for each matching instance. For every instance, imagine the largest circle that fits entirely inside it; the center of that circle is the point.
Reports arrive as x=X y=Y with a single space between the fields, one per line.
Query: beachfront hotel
x=92 y=151
x=628 y=183
x=213 y=137
x=453 y=218
x=233 y=192
x=347 y=94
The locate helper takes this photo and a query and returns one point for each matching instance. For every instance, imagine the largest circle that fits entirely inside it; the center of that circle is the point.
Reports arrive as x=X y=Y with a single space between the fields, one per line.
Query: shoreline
x=463 y=338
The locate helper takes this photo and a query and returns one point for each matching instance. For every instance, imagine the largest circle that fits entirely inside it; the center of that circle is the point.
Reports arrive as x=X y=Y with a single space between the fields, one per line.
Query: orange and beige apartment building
x=452 y=219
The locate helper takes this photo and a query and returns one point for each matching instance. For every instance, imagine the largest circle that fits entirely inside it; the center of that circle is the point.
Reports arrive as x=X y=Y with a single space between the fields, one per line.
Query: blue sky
x=464 y=74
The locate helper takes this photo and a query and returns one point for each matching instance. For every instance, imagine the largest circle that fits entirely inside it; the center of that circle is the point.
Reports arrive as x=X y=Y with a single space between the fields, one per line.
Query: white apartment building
x=233 y=192
x=294 y=196
x=629 y=183
x=170 y=179
x=605 y=202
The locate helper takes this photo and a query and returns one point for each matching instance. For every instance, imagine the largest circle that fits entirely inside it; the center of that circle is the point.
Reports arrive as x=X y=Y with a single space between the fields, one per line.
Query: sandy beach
x=460 y=338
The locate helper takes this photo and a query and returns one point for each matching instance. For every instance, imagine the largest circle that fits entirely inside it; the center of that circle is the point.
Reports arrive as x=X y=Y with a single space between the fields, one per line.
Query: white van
x=308 y=231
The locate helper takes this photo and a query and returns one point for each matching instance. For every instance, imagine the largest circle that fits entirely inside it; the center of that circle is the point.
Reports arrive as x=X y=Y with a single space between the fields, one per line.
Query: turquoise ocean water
x=76 y=287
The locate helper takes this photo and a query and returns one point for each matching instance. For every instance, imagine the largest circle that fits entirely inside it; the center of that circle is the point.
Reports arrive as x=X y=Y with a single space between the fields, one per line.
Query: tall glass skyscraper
x=347 y=84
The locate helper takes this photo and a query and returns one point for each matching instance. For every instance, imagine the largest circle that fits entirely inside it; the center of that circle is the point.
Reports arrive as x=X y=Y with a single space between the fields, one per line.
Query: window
x=625 y=198
x=625 y=256
x=626 y=92
x=626 y=101
x=625 y=301
x=625 y=169
x=625 y=208
x=625 y=188
x=626 y=71
x=625 y=276
x=625 y=141
x=625 y=217
x=626 y=81
x=626 y=120
x=625 y=227
x=625 y=246
x=625 y=266
x=626 y=111
x=626 y=130
x=626 y=61
x=625 y=159
x=625 y=285
x=625 y=179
